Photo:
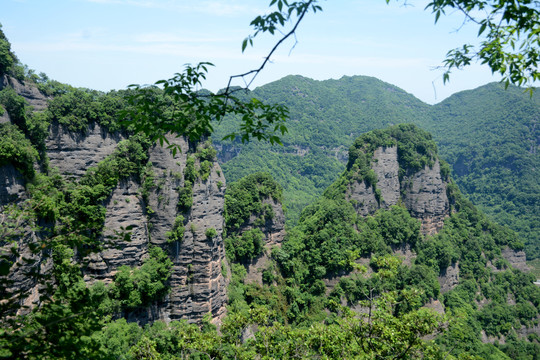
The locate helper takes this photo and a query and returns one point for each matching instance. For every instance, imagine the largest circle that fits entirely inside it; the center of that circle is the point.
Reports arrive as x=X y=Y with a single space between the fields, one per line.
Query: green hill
x=385 y=265
x=489 y=136
x=325 y=118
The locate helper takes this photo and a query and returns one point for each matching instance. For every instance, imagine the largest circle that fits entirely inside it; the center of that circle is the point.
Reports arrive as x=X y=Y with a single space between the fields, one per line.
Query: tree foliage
x=509 y=33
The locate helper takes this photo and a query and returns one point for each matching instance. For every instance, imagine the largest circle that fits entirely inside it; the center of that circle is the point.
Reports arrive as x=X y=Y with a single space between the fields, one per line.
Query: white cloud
x=212 y=7
x=161 y=37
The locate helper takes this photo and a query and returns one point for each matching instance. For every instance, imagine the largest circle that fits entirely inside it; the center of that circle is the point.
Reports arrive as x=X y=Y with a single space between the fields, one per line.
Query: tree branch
x=255 y=72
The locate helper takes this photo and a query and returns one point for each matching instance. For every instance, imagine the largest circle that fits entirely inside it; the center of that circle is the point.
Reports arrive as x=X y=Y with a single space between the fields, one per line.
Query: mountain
x=491 y=137
x=103 y=231
x=488 y=136
x=325 y=118
x=393 y=235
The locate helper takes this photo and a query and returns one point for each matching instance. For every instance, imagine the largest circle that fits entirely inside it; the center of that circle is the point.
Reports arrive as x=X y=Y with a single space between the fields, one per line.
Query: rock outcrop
x=386 y=166
x=423 y=192
x=516 y=258
x=12 y=185
x=449 y=278
x=274 y=234
x=125 y=210
x=73 y=153
x=30 y=93
x=363 y=198
x=197 y=284
x=425 y=198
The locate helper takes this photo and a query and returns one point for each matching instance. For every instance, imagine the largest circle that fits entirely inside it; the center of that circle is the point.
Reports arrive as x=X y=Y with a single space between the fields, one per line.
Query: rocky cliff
x=422 y=192
x=255 y=223
x=197 y=286
x=147 y=211
x=274 y=234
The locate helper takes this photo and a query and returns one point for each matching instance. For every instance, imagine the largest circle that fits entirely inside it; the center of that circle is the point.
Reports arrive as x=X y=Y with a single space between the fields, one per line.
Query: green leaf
x=482 y=28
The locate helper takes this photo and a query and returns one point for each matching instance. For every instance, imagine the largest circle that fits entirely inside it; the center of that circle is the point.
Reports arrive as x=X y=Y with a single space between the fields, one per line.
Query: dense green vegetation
x=325 y=118
x=489 y=137
x=332 y=242
x=245 y=201
x=16 y=149
x=335 y=288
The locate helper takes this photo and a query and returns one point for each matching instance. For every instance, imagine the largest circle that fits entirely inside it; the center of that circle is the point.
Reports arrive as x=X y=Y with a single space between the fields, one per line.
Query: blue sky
x=109 y=44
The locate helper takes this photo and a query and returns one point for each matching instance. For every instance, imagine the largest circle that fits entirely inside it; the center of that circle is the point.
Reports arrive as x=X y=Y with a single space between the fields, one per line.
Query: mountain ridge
x=312 y=129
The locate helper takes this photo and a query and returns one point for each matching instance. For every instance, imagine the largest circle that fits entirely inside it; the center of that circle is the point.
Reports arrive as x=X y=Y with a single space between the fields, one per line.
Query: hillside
x=113 y=247
x=488 y=135
x=393 y=235
x=491 y=136
x=325 y=118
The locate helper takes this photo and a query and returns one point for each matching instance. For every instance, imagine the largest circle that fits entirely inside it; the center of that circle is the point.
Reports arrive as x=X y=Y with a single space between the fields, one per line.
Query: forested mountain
x=392 y=235
x=488 y=135
x=491 y=137
x=325 y=118
x=114 y=247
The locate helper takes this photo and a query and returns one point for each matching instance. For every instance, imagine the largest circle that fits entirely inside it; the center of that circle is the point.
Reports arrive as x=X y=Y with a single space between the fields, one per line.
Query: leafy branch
x=511 y=45
x=185 y=110
x=269 y=23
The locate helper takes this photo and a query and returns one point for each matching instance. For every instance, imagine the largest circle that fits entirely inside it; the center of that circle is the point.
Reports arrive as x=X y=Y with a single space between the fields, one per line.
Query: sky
x=110 y=44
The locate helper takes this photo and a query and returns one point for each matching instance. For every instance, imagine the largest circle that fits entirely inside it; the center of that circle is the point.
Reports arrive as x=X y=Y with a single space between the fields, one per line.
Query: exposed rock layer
x=274 y=234
x=73 y=153
x=30 y=93
x=423 y=193
x=197 y=286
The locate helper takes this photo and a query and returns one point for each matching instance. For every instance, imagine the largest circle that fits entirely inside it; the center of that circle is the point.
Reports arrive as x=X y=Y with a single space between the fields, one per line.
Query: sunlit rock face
x=133 y=221
x=423 y=193
x=425 y=198
x=72 y=153
x=274 y=234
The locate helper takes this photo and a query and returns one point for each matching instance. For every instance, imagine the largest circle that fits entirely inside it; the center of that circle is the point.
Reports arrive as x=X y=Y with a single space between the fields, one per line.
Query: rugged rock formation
x=35 y=99
x=516 y=258
x=386 y=166
x=423 y=193
x=425 y=198
x=227 y=152
x=12 y=185
x=197 y=284
x=12 y=191
x=124 y=209
x=449 y=278
x=363 y=198
x=274 y=233
x=73 y=153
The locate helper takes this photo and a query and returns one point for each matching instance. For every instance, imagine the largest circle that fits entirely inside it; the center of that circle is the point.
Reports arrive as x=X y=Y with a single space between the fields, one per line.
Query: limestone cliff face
x=274 y=234
x=197 y=284
x=423 y=193
x=386 y=167
x=516 y=258
x=124 y=209
x=73 y=153
x=425 y=197
x=449 y=278
x=12 y=185
x=30 y=93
